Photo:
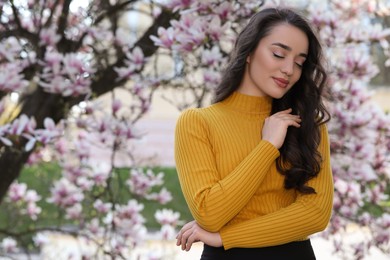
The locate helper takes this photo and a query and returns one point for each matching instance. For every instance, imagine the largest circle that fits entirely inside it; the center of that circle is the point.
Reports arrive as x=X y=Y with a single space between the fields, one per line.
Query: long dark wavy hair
x=299 y=158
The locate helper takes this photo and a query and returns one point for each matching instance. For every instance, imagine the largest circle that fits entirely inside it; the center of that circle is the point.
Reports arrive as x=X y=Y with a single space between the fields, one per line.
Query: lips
x=281 y=82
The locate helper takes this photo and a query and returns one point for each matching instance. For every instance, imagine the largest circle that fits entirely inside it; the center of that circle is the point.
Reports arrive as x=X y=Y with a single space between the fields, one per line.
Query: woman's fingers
x=275 y=127
x=186 y=227
x=187 y=236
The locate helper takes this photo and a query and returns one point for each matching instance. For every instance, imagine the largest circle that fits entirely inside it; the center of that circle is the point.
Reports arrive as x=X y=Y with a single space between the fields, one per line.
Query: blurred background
x=90 y=94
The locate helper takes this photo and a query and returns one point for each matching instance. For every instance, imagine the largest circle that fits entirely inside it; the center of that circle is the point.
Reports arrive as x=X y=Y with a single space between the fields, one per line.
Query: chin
x=277 y=96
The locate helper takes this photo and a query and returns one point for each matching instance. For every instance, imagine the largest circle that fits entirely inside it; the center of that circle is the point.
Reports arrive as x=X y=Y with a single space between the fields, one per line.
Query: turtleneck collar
x=249 y=104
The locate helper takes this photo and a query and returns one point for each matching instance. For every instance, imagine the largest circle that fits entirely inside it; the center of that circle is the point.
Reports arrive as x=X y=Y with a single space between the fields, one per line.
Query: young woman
x=254 y=166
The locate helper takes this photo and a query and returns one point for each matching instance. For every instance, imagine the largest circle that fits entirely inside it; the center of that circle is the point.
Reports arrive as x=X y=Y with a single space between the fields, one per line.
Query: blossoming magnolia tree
x=58 y=58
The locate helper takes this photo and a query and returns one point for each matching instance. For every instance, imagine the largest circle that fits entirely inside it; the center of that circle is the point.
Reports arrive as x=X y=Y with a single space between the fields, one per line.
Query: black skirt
x=301 y=250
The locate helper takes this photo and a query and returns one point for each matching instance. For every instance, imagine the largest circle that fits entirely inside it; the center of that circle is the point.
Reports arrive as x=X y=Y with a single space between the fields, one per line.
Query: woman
x=254 y=166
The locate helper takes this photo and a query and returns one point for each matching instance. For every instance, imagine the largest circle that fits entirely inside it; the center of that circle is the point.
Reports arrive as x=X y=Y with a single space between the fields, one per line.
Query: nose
x=287 y=68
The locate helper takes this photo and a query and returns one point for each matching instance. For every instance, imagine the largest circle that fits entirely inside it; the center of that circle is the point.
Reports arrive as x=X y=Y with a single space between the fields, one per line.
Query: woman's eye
x=299 y=65
x=278 y=56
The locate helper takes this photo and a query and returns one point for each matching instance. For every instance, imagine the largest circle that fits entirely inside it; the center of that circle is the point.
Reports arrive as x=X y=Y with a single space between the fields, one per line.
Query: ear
x=248 y=59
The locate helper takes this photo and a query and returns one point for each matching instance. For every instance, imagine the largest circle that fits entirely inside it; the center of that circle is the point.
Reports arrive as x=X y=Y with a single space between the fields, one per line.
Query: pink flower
x=13 y=80
x=100 y=177
x=136 y=57
x=168 y=232
x=9 y=245
x=10 y=49
x=134 y=62
x=125 y=72
x=74 y=212
x=102 y=207
x=116 y=105
x=49 y=36
x=211 y=57
x=40 y=239
x=211 y=78
x=94 y=227
x=163 y=197
x=141 y=183
x=65 y=194
x=165 y=37
x=224 y=9
x=178 y=4
x=32 y=196
x=167 y=217
x=73 y=65
x=32 y=211
x=130 y=211
x=17 y=191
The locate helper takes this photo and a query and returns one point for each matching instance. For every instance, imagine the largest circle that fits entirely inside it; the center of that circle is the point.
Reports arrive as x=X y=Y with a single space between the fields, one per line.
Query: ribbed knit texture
x=229 y=179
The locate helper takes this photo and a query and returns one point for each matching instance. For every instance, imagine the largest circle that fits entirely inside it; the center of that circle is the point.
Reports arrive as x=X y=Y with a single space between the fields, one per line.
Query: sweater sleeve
x=307 y=215
x=211 y=200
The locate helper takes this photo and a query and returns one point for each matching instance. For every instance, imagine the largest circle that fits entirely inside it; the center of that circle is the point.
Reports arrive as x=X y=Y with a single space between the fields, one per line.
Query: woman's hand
x=275 y=126
x=192 y=232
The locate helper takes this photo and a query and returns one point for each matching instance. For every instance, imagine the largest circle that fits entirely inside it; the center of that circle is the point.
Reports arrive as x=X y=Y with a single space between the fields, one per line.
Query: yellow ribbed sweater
x=229 y=179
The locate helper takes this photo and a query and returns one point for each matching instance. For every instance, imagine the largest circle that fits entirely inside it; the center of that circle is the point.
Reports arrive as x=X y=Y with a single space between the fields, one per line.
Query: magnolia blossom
x=9 y=245
x=94 y=227
x=65 y=194
x=168 y=232
x=212 y=56
x=211 y=78
x=32 y=210
x=163 y=197
x=116 y=105
x=49 y=36
x=102 y=207
x=17 y=191
x=216 y=29
x=167 y=217
x=13 y=80
x=141 y=182
x=25 y=199
x=178 y=4
x=134 y=62
x=40 y=239
x=68 y=75
x=10 y=49
x=166 y=37
x=74 y=211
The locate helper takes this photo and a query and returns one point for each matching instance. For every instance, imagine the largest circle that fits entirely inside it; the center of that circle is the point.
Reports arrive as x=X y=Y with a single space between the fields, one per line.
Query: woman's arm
x=307 y=215
x=214 y=201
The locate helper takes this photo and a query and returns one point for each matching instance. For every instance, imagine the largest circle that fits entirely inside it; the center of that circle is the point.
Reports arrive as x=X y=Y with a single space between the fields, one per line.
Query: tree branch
x=16 y=14
x=62 y=22
x=108 y=13
x=105 y=82
x=49 y=20
x=113 y=10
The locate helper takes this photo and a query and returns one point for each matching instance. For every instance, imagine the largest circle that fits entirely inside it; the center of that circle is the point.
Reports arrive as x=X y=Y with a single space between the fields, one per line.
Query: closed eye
x=278 y=56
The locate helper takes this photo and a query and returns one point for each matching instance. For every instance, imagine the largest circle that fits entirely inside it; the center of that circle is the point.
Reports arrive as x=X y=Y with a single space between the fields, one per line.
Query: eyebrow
x=288 y=48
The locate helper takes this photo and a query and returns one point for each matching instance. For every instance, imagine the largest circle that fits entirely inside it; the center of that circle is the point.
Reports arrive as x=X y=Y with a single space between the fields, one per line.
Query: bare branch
x=49 y=20
x=104 y=83
x=113 y=10
x=16 y=14
x=62 y=22
x=20 y=33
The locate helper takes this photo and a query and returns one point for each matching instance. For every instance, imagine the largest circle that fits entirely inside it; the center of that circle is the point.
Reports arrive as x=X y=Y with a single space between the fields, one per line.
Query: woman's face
x=276 y=64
